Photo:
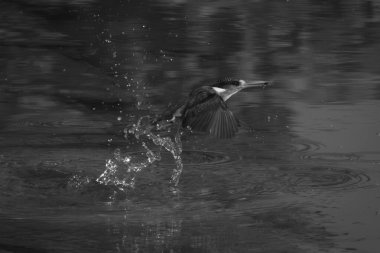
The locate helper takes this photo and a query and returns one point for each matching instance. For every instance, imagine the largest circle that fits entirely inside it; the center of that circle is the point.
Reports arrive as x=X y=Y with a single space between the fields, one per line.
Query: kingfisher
x=206 y=110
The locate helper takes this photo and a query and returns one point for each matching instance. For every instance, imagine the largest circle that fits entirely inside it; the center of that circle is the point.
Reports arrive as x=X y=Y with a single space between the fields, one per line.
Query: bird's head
x=230 y=84
x=227 y=84
x=229 y=87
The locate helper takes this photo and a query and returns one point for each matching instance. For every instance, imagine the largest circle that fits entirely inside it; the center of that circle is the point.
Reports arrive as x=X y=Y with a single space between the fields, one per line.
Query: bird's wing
x=207 y=112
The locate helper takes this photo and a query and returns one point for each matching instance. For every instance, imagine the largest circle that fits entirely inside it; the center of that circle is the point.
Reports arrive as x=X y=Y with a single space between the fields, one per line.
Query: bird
x=206 y=110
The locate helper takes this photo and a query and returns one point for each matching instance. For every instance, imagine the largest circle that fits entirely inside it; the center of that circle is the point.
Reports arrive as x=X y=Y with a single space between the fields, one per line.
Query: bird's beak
x=255 y=84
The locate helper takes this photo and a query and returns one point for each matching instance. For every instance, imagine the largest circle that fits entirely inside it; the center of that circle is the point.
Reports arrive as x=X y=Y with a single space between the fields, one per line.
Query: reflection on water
x=78 y=173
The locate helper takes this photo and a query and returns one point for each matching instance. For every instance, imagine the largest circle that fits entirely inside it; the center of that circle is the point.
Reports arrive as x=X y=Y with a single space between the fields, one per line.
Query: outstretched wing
x=207 y=112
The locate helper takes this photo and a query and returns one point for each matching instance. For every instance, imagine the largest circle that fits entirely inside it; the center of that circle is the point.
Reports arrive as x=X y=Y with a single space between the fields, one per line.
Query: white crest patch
x=218 y=90
x=225 y=94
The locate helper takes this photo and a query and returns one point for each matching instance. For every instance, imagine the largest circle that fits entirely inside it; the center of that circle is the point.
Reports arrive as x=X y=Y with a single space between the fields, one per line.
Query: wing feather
x=225 y=126
x=207 y=112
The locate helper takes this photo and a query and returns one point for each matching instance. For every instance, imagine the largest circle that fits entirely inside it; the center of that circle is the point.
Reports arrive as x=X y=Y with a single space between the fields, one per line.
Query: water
x=78 y=173
x=122 y=171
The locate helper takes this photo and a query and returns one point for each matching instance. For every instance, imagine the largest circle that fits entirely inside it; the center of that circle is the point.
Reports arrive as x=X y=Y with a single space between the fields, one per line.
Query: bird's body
x=206 y=109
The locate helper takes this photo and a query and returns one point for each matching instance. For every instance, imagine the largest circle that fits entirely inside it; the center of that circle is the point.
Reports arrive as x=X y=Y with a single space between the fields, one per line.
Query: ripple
x=269 y=181
x=371 y=157
x=195 y=157
x=331 y=157
x=307 y=146
x=327 y=178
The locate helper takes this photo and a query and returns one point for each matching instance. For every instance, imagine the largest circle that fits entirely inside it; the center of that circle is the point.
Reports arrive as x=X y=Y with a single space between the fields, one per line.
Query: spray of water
x=121 y=171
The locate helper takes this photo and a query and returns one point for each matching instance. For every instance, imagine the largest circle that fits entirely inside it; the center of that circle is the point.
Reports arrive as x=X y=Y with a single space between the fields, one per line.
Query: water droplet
x=122 y=171
x=126 y=159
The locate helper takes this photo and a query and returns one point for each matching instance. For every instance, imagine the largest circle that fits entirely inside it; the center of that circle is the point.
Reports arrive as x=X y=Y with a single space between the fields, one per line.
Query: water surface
x=76 y=75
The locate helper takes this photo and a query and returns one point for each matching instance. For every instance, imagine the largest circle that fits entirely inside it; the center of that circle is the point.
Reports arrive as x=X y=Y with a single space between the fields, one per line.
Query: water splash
x=121 y=170
x=174 y=147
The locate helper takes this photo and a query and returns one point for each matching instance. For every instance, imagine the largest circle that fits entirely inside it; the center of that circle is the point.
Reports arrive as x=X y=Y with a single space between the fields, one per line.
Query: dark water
x=75 y=74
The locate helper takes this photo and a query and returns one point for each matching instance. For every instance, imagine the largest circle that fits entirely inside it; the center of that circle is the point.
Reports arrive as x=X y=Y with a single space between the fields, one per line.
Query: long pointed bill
x=255 y=84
